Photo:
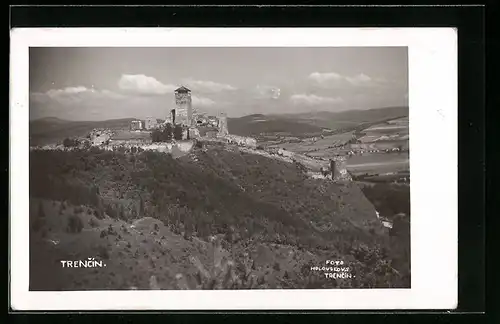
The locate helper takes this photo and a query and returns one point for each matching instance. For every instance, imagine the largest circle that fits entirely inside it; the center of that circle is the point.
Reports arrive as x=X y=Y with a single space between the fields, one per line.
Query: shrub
x=102 y=252
x=75 y=224
x=41 y=212
x=69 y=142
x=93 y=222
x=177 y=132
x=38 y=223
x=98 y=214
x=111 y=230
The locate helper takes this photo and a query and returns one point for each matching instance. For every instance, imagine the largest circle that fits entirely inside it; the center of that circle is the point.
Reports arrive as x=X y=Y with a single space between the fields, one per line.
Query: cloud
x=208 y=86
x=267 y=92
x=142 y=84
x=55 y=93
x=202 y=102
x=332 y=79
x=359 y=79
x=325 y=77
x=73 y=95
x=311 y=99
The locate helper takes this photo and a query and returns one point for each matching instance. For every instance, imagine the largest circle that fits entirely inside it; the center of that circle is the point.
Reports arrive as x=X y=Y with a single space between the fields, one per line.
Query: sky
x=95 y=83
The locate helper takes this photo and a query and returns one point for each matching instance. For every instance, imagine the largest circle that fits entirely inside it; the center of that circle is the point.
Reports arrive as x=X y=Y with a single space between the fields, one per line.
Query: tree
x=75 y=224
x=41 y=213
x=122 y=214
x=167 y=132
x=156 y=135
x=141 y=207
x=178 y=132
x=68 y=142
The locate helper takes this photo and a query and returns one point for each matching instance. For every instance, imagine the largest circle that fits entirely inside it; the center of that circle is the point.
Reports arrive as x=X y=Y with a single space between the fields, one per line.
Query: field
x=314 y=145
x=375 y=163
x=257 y=125
x=391 y=131
x=348 y=119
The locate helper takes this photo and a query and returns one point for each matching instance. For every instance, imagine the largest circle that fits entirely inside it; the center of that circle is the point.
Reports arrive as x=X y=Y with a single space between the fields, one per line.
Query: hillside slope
x=272 y=221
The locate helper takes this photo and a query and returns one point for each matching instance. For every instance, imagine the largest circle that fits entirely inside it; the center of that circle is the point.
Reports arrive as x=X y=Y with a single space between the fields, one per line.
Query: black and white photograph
x=220 y=168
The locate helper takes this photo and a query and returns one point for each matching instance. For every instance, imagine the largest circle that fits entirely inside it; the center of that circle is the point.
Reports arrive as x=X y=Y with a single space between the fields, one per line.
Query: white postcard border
x=433 y=159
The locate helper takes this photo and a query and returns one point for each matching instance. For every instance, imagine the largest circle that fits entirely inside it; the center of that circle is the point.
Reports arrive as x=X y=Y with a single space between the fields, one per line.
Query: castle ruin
x=338 y=168
x=150 y=123
x=223 y=131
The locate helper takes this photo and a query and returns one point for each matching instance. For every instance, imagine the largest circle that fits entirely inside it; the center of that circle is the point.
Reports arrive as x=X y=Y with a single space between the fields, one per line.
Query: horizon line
x=260 y=114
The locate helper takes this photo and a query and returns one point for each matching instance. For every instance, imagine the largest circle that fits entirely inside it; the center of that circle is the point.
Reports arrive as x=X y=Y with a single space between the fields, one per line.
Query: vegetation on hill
x=166 y=133
x=250 y=201
x=389 y=199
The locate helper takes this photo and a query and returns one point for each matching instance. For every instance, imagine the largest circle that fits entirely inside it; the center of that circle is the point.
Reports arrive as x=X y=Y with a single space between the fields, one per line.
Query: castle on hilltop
x=194 y=123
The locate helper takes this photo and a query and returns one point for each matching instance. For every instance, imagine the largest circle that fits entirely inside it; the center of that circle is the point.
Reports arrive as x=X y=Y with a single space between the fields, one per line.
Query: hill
x=254 y=125
x=153 y=218
x=52 y=129
x=348 y=118
x=311 y=123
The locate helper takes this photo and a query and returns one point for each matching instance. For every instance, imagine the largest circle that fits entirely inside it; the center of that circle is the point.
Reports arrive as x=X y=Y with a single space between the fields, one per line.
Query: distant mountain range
x=335 y=120
x=253 y=125
x=52 y=129
x=310 y=122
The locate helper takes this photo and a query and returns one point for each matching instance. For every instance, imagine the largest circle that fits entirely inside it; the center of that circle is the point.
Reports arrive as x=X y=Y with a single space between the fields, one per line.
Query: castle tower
x=223 y=131
x=184 y=110
x=339 y=168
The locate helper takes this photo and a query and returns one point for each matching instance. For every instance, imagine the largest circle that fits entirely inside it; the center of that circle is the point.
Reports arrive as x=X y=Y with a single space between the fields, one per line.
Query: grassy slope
x=265 y=210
